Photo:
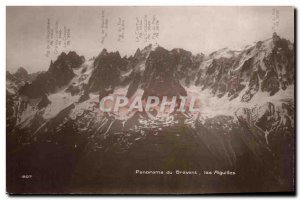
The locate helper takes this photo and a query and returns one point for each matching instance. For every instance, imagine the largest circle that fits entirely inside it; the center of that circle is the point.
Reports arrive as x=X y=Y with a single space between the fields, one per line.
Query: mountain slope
x=245 y=123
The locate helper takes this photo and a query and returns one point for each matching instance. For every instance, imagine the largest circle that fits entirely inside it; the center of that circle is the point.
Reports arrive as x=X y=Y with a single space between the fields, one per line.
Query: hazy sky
x=197 y=29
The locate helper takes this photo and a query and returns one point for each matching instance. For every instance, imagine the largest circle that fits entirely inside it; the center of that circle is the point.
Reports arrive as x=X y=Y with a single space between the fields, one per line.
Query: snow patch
x=211 y=105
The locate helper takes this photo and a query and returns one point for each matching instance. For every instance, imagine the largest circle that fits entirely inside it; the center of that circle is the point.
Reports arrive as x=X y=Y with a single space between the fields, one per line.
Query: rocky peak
x=159 y=77
x=60 y=73
x=275 y=37
x=106 y=56
x=21 y=74
x=142 y=54
x=137 y=53
x=148 y=48
x=10 y=77
x=103 y=52
x=70 y=60
x=62 y=68
x=107 y=70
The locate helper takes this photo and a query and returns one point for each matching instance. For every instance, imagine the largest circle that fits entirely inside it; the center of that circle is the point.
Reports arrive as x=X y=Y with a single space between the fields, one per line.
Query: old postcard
x=150 y=100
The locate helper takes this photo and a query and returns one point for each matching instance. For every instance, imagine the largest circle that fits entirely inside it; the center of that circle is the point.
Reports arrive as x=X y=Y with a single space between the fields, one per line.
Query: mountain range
x=56 y=132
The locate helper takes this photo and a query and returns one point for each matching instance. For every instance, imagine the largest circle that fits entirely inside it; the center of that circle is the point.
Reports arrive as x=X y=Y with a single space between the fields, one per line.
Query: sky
x=196 y=29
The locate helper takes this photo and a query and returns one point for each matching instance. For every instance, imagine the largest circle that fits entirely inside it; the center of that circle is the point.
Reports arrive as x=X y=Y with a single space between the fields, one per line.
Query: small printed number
x=26 y=176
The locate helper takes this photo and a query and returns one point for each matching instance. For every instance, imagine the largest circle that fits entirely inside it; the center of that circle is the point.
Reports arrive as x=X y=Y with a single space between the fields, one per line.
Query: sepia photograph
x=150 y=100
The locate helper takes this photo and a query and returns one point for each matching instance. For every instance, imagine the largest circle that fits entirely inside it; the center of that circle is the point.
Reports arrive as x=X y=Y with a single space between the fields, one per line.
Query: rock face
x=54 y=120
x=15 y=106
x=18 y=79
x=107 y=72
x=137 y=64
x=159 y=76
x=21 y=74
x=268 y=66
x=272 y=127
x=23 y=87
x=59 y=74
